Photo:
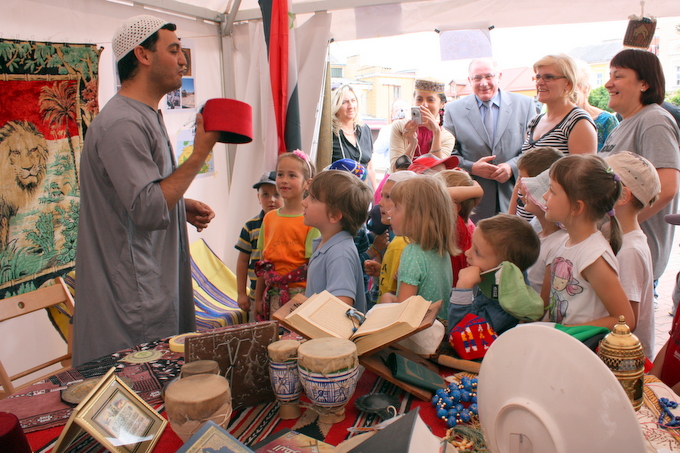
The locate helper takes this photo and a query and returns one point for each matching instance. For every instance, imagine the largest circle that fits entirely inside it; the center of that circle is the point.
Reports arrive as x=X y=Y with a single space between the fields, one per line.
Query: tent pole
x=325 y=145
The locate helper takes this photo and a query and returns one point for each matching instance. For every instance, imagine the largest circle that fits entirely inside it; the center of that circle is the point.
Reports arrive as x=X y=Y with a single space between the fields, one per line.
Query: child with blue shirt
x=337 y=205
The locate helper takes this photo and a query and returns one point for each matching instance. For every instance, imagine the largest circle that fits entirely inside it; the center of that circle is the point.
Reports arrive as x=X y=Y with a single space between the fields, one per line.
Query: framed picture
x=116 y=417
x=188 y=72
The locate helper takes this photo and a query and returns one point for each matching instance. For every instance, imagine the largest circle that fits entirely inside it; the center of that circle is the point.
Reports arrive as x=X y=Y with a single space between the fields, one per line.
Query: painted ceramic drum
x=283 y=374
x=329 y=373
x=283 y=370
x=285 y=380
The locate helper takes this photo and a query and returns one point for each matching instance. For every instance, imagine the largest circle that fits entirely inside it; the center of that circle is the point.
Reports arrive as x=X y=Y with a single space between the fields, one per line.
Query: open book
x=324 y=315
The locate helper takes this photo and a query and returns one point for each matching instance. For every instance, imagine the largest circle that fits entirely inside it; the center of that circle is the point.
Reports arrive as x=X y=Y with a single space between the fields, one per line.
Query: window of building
x=396 y=92
x=336 y=72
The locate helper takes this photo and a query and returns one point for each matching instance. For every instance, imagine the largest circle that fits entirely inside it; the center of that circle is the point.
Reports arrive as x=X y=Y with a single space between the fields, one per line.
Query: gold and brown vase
x=623 y=353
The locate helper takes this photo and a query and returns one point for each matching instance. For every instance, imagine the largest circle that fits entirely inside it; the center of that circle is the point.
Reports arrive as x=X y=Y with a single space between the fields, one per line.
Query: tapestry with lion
x=49 y=97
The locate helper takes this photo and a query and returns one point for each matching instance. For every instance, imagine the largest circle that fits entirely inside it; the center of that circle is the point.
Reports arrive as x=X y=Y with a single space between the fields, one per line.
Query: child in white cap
x=641 y=188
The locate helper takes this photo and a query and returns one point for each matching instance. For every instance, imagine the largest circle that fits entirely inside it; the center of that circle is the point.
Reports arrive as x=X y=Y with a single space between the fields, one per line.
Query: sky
x=512 y=47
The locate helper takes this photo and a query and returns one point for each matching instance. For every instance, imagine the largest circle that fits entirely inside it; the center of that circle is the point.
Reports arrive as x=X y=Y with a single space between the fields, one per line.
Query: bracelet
x=436 y=150
x=377 y=252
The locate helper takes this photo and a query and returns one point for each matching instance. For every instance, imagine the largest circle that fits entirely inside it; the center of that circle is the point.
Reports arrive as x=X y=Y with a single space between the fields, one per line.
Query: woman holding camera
x=423 y=132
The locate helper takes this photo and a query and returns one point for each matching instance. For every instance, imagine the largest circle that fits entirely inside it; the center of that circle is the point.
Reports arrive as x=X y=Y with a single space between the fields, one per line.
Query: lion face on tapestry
x=23 y=160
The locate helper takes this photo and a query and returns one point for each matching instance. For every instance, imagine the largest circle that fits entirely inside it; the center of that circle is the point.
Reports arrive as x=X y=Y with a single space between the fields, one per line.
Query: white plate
x=541 y=390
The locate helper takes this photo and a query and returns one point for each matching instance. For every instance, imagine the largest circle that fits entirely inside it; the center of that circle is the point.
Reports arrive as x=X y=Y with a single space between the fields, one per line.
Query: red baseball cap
x=428 y=161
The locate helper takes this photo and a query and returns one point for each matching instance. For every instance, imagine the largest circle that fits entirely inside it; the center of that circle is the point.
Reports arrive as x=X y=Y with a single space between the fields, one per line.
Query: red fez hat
x=234 y=119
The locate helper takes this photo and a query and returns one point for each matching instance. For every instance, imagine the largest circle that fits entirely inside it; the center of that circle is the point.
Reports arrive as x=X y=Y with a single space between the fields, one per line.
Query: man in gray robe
x=133 y=275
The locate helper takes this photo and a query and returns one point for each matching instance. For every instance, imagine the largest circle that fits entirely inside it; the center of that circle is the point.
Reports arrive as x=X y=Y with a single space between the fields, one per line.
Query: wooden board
x=241 y=353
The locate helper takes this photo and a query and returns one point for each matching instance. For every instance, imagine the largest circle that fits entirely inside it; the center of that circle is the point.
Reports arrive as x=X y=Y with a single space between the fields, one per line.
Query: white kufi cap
x=133 y=32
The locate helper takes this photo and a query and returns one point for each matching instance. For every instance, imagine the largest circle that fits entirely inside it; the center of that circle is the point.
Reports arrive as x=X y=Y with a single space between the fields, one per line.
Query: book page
x=326 y=313
x=381 y=316
x=411 y=311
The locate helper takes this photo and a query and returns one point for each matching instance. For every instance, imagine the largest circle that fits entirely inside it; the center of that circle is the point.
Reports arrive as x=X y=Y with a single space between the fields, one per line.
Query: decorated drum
x=192 y=401
x=199 y=367
x=329 y=372
x=283 y=371
x=283 y=374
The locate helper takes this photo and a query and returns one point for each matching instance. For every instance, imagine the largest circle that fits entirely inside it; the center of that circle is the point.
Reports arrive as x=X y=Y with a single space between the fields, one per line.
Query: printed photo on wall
x=187 y=54
x=173 y=100
x=188 y=94
x=184 y=98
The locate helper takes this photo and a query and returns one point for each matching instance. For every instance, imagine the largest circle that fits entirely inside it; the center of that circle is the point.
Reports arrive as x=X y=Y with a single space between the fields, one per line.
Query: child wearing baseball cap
x=641 y=188
x=248 y=254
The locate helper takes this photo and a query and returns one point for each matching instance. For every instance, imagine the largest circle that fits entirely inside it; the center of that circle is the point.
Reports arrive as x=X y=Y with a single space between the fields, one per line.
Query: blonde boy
x=641 y=188
x=337 y=206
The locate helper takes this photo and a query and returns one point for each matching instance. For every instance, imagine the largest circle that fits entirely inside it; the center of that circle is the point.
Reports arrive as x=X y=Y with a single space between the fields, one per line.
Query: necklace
x=348 y=133
x=449 y=402
x=665 y=404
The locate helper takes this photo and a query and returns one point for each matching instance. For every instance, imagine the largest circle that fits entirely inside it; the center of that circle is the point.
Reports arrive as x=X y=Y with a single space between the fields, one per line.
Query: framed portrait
x=188 y=72
x=115 y=416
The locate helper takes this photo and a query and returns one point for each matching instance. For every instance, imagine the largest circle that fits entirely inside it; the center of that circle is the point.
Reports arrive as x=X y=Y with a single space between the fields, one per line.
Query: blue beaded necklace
x=457 y=403
x=666 y=405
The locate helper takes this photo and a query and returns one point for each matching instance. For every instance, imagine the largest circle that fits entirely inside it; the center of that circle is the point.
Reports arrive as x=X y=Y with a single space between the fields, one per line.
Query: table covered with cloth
x=42 y=414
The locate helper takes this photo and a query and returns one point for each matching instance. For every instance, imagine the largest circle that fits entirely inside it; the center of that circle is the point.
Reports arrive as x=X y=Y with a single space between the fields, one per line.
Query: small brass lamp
x=623 y=353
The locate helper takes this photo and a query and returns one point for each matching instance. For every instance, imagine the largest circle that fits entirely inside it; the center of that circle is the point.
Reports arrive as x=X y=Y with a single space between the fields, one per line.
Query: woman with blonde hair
x=352 y=138
x=563 y=125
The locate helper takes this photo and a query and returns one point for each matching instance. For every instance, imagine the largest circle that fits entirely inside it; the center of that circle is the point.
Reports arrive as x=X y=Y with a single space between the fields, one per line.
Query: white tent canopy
x=394 y=17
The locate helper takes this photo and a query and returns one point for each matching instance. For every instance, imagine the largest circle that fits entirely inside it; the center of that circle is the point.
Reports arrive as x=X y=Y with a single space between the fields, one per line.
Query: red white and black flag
x=277 y=24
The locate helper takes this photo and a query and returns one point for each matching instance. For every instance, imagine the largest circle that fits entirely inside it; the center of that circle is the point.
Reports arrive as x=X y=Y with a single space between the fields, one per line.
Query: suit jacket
x=463 y=119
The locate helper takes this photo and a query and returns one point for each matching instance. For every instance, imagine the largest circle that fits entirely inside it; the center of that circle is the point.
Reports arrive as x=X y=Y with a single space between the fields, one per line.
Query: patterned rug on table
x=42 y=407
x=253 y=424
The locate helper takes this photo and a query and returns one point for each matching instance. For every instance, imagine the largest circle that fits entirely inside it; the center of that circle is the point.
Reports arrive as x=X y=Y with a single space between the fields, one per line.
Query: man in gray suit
x=490 y=128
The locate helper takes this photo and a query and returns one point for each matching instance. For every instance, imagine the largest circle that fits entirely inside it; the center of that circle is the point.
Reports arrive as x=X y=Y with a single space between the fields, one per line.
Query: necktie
x=488 y=120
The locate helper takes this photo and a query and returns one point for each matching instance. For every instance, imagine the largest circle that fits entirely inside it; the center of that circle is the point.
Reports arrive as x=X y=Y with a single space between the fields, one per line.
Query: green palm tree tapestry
x=49 y=97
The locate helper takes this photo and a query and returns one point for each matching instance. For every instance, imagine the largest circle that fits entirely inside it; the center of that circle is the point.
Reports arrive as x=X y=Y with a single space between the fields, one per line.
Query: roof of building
x=597 y=53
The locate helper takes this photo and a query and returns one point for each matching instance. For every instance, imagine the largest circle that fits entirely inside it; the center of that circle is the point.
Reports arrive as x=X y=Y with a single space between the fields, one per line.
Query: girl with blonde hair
x=422 y=212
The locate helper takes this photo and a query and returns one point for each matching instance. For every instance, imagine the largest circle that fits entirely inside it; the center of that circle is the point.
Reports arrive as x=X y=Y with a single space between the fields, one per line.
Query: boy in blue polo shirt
x=269 y=199
x=337 y=206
